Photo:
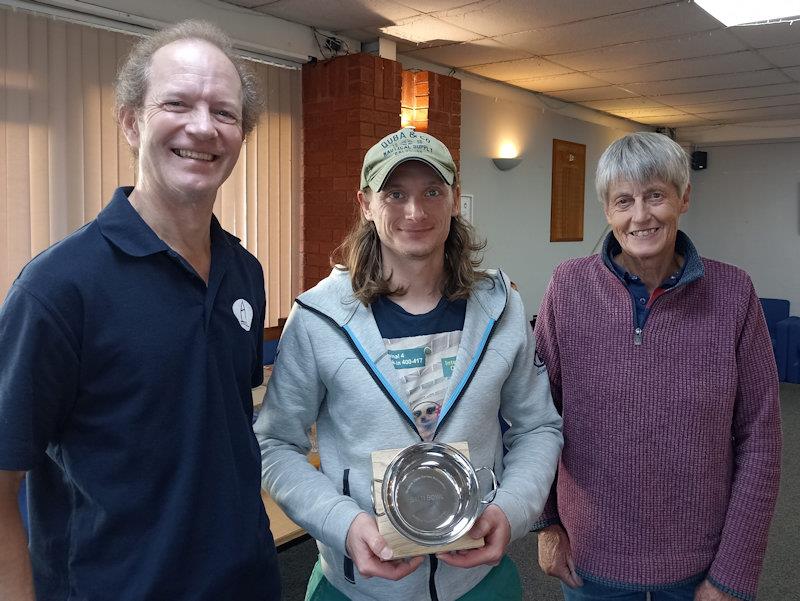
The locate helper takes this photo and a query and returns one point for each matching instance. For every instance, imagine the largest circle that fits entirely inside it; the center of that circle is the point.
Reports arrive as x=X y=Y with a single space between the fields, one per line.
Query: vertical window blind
x=62 y=154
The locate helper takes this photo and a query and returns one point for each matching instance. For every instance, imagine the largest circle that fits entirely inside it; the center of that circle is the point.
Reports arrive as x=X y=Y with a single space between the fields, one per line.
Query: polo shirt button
x=643 y=300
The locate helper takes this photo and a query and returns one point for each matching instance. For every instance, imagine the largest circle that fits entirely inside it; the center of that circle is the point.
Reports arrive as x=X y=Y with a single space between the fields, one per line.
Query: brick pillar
x=415 y=98
x=444 y=111
x=349 y=103
x=432 y=103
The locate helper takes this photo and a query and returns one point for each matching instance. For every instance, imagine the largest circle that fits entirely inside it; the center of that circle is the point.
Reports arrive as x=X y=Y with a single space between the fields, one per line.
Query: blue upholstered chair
x=787 y=347
x=775 y=311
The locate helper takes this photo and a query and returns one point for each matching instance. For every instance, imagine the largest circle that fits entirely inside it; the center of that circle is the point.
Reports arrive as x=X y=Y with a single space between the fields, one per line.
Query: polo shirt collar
x=124 y=228
x=693 y=268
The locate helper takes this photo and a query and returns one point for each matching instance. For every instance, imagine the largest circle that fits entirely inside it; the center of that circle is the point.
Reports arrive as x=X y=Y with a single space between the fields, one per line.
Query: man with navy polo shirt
x=129 y=352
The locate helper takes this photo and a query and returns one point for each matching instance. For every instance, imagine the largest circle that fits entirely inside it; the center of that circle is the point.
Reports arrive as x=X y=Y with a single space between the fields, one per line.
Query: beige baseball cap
x=399 y=147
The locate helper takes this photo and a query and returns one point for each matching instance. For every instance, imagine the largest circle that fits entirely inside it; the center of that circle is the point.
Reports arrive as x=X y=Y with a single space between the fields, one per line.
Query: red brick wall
x=444 y=111
x=349 y=103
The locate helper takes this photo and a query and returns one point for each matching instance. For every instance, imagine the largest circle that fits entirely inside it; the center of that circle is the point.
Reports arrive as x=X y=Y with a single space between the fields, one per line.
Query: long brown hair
x=360 y=254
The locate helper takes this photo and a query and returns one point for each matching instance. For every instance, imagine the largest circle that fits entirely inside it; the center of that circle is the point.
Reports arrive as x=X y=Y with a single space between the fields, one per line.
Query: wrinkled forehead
x=640 y=186
x=194 y=62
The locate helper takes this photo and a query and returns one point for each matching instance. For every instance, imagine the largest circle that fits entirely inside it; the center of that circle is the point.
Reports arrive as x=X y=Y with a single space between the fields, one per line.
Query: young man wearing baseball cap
x=407 y=320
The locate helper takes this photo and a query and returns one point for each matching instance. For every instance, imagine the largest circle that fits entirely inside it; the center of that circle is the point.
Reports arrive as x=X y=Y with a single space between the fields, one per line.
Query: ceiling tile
x=782 y=56
x=250 y=3
x=432 y=6
x=528 y=68
x=764 y=36
x=730 y=94
x=620 y=56
x=556 y=82
x=761 y=114
x=592 y=93
x=466 y=54
x=710 y=82
x=339 y=15
x=660 y=22
x=636 y=114
x=424 y=29
x=621 y=104
x=657 y=62
x=685 y=120
x=747 y=60
x=743 y=103
x=500 y=17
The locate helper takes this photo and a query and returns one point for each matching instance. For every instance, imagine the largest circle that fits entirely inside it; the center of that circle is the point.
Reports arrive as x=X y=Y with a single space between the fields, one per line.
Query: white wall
x=745 y=210
x=512 y=208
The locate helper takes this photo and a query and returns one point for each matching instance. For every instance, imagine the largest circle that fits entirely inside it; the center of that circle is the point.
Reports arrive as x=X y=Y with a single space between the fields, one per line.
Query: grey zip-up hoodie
x=332 y=368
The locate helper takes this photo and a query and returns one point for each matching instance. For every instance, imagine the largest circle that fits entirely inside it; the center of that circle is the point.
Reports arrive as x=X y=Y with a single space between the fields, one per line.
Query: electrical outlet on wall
x=466 y=206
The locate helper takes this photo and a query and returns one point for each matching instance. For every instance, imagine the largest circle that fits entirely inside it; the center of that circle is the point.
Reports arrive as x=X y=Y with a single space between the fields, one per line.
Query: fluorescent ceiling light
x=732 y=13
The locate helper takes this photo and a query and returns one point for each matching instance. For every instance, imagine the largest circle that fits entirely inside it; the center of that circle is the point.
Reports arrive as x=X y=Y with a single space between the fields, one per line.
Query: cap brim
x=377 y=181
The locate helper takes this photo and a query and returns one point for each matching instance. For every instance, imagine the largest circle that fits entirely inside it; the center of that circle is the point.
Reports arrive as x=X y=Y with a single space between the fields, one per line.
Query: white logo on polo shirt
x=243 y=312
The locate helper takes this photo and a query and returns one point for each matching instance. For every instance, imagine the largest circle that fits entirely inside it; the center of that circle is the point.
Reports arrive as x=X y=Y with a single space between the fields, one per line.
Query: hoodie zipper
x=432 y=578
x=472 y=373
x=348 y=566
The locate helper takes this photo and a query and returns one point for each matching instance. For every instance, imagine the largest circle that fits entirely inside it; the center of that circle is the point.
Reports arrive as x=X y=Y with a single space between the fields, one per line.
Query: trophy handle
x=374 y=508
x=491 y=494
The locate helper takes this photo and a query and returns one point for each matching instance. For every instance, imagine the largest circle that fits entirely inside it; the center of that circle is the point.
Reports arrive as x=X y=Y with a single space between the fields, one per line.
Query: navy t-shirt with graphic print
x=423 y=349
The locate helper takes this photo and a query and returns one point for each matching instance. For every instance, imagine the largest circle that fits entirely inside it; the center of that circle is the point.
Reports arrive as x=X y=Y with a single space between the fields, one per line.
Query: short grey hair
x=642 y=157
x=134 y=75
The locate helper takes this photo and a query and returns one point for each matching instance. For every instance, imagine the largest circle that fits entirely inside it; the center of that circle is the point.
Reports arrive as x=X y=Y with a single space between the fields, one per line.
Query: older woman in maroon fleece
x=662 y=367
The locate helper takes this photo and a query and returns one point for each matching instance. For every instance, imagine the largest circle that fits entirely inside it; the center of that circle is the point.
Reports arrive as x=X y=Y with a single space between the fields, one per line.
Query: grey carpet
x=780 y=580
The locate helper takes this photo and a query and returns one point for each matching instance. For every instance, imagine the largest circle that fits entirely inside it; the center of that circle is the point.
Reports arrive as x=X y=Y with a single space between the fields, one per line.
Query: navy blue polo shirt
x=125 y=392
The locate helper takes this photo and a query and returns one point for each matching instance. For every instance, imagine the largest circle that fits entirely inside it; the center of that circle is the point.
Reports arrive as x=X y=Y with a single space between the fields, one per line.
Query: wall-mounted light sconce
x=506 y=164
x=508 y=157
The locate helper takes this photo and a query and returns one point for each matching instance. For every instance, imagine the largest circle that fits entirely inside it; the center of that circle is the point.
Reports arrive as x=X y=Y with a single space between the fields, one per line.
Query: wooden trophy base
x=399 y=544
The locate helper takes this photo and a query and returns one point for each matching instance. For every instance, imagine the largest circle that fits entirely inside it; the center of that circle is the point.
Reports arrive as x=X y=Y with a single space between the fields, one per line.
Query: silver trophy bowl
x=431 y=494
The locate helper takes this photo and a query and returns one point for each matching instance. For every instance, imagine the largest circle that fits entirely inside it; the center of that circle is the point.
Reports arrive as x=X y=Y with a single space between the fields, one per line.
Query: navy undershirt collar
x=395 y=322
x=691 y=269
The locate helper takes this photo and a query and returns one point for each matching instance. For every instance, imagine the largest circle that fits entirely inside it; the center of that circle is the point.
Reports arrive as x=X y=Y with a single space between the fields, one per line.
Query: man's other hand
x=372 y=556
x=495 y=530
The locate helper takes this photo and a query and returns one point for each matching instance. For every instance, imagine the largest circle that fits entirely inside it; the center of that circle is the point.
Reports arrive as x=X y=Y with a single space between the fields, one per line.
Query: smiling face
x=644 y=218
x=411 y=213
x=188 y=134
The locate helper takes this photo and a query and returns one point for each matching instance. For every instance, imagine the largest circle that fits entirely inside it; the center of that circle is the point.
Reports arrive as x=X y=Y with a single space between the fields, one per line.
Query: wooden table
x=283 y=529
